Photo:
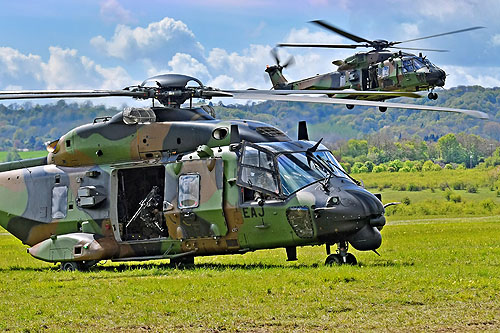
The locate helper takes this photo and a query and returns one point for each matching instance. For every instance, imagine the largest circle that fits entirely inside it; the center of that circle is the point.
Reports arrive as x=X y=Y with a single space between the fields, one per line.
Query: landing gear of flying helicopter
x=342 y=257
x=432 y=96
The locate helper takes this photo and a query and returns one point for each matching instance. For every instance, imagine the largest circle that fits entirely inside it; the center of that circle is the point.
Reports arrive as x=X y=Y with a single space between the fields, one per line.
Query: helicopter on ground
x=381 y=70
x=172 y=182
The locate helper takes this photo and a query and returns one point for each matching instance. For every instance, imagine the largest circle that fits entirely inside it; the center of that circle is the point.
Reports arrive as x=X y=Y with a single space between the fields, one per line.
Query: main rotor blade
x=329 y=46
x=443 y=34
x=27 y=94
x=325 y=100
x=416 y=49
x=340 y=31
x=389 y=94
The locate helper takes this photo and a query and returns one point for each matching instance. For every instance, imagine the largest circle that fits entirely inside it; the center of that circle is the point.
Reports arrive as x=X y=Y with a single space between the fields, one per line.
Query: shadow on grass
x=202 y=266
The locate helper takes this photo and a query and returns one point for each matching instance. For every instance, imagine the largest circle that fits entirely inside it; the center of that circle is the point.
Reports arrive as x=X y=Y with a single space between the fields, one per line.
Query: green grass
x=24 y=154
x=434 y=275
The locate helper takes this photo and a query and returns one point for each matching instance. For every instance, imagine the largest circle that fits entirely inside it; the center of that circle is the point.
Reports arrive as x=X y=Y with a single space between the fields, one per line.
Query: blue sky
x=110 y=44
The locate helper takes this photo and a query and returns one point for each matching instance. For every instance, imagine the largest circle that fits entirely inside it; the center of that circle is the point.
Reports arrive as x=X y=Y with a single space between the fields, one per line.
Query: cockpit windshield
x=332 y=162
x=418 y=64
x=287 y=172
x=412 y=64
x=297 y=171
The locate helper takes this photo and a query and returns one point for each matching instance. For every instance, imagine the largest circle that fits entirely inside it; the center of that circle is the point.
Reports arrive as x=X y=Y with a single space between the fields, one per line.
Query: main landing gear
x=342 y=257
x=432 y=95
x=72 y=266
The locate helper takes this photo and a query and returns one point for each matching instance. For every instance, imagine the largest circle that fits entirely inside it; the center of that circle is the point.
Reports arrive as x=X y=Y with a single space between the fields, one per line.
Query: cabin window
x=189 y=191
x=59 y=202
x=384 y=71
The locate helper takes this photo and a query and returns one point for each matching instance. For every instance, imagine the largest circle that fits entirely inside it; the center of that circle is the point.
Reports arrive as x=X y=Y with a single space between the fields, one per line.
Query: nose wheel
x=432 y=95
x=342 y=257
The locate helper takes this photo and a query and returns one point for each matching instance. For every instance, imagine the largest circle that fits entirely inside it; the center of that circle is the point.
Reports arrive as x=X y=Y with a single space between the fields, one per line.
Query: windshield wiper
x=331 y=166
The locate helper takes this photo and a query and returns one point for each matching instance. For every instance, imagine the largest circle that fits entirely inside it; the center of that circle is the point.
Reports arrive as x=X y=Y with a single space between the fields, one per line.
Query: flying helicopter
x=172 y=182
x=390 y=74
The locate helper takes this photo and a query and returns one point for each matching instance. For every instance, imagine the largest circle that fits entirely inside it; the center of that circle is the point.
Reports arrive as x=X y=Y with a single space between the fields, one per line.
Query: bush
x=413 y=187
x=448 y=166
x=405 y=169
x=369 y=165
x=455 y=197
x=406 y=201
x=471 y=188
x=428 y=166
x=488 y=204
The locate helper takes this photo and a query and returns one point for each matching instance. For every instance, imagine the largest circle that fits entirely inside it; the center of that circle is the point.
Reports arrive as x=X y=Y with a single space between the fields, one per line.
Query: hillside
x=338 y=123
x=28 y=125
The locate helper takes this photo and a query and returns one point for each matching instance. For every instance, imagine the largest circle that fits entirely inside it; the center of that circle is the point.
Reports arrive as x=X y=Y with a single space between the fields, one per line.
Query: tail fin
x=276 y=75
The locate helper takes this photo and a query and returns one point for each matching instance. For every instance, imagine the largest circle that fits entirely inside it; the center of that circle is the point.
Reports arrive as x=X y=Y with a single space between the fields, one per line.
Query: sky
x=111 y=44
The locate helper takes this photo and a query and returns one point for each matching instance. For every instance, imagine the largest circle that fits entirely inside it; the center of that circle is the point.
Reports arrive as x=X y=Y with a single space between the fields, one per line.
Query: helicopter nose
x=372 y=208
x=436 y=78
x=355 y=215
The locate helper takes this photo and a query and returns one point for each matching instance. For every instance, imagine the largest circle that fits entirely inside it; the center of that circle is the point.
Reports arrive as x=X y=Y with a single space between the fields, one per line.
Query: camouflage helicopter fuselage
x=165 y=183
x=370 y=71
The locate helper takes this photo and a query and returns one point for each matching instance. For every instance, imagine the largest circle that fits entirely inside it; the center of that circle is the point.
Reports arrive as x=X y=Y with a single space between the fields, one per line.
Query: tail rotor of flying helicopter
x=377 y=45
x=290 y=61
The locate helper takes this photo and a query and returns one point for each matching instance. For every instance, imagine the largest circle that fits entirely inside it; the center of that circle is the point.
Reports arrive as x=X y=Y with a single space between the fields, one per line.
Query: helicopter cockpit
x=416 y=64
x=281 y=169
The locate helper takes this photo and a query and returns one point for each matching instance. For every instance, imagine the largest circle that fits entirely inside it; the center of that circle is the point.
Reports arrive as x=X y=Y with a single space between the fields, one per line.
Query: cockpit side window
x=408 y=66
x=258 y=170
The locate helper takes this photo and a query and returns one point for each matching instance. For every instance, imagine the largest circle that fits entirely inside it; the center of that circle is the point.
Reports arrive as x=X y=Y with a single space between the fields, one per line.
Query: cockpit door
x=193 y=199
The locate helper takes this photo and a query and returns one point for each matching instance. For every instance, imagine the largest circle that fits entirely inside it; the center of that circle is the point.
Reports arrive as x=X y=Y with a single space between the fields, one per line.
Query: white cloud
x=65 y=69
x=410 y=30
x=16 y=67
x=246 y=69
x=495 y=40
x=185 y=64
x=318 y=37
x=112 y=11
x=158 y=41
x=468 y=76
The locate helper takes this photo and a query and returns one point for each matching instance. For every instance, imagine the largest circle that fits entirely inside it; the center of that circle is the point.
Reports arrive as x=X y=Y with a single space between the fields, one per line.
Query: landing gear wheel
x=182 y=261
x=432 y=95
x=349 y=106
x=70 y=266
x=350 y=259
x=333 y=259
x=382 y=108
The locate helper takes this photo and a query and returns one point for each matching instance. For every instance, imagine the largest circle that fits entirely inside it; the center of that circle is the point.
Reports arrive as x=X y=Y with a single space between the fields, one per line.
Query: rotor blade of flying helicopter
x=261 y=95
x=27 y=94
x=416 y=49
x=442 y=34
x=326 y=92
x=328 y=46
x=340 y=31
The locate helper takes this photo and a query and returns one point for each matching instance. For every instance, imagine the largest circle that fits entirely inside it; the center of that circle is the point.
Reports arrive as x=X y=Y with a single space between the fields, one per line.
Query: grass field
x=433 y=275
x=24 y=154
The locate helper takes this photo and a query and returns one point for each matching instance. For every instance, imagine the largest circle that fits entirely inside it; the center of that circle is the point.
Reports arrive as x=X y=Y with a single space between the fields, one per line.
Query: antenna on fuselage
x=302 y=131
x=234 y=137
